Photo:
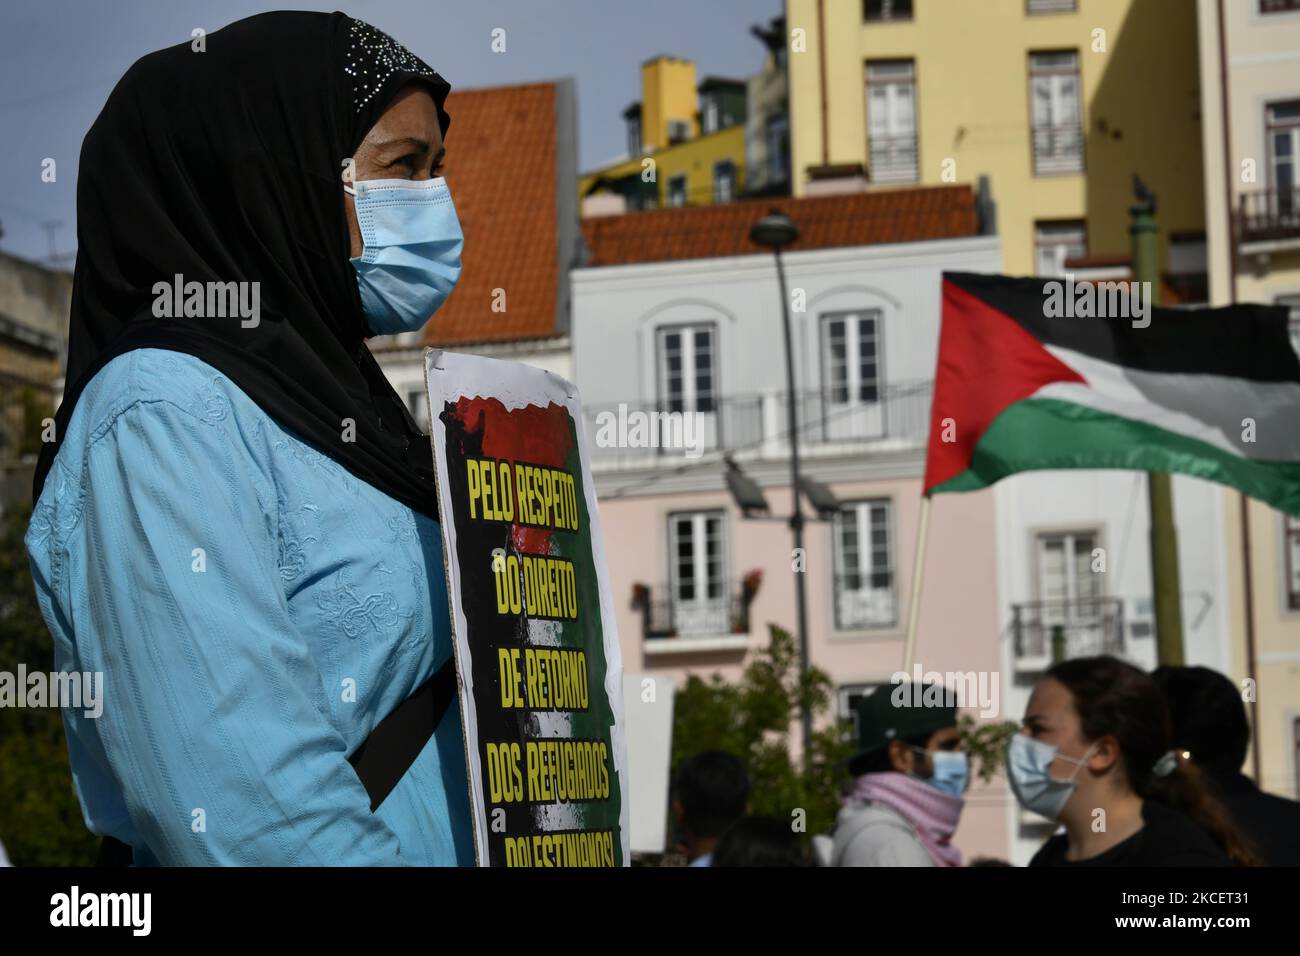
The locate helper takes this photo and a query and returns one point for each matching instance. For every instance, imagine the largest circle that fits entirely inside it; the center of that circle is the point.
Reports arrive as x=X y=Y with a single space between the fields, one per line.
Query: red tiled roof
x=500 y=167
x=847 y=219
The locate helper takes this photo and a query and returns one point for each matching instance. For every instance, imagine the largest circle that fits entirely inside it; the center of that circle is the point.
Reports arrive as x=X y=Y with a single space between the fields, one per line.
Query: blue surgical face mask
x=1028 y=764
x=412 y=251
x=951 y=770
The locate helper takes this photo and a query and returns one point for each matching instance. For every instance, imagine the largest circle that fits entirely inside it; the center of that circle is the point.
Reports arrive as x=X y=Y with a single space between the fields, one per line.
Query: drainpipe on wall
x=1247 y=574
x=821 y=68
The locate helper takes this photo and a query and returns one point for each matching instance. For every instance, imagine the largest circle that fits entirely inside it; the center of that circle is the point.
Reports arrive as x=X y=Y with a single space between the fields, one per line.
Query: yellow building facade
x=686 y=141
x=1058 y=103
x=1251 y=109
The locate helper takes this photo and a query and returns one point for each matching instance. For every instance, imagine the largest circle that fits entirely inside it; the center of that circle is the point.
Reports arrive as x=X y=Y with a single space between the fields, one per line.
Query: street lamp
x=775 y=231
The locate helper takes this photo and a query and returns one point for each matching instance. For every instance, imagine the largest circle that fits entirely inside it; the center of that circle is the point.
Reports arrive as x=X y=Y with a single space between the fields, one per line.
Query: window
x=678 y=131
x=1050 y=6
x=686 y=370
x=1067 y=585
x=891 y=121
x=887 y=10
x=1283 y=134
x=724 y=181
x=634 y=136
x=1293 y=303
x=697 y=568
x=778 y=148
x=418 y=403
x=710 y=115
x=850 y=695
x=677 y=190
x=1057 y=117
x=1057 y=242
x=1186 y=277
x=864 y=566
x=687 y=384
x=849 y=358
x=1291 y=544
x=1278 y=6
x=1187 y=253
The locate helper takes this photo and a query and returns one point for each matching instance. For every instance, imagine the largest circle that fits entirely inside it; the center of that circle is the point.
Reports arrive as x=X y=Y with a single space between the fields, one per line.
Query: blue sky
x=59 y=60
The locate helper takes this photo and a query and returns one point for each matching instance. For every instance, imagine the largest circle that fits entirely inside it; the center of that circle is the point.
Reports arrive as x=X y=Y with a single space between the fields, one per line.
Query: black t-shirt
x=1272 y=823
x=1167 y=838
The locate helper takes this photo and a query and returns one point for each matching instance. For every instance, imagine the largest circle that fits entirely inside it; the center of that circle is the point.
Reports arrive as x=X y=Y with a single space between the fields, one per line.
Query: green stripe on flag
x=1040 y=433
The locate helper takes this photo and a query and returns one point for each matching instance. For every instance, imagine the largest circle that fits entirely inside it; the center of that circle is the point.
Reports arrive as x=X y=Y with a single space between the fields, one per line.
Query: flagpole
x=918 y=576
x=1166 y=588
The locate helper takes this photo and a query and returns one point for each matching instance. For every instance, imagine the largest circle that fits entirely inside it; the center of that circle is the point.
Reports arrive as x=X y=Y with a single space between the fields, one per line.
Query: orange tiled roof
x=500 y=167
x=848 y=219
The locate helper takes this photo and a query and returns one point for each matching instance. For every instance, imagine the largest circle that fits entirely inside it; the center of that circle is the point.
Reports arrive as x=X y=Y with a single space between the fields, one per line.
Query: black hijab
x=226 y=166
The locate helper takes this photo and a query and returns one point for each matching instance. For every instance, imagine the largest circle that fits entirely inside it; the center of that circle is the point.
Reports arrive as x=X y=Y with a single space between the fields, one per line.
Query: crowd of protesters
x=1135 y=768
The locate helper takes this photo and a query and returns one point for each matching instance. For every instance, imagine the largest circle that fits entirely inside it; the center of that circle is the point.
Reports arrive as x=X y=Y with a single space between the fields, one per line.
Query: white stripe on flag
x=1209 y=408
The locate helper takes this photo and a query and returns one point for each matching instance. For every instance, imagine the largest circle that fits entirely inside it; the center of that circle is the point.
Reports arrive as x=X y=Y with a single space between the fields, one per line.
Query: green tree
x=985 y=744
x=753 y=719
x=40 y=817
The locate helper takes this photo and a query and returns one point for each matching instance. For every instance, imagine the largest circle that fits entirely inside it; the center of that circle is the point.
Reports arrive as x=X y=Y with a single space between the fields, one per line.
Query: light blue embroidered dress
x=255 y=610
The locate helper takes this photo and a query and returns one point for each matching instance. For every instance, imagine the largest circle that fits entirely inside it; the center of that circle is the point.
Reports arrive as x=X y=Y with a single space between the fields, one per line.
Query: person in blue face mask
x=238 y=525
x=909 y=778
x=406 y=240
x=1095 y=754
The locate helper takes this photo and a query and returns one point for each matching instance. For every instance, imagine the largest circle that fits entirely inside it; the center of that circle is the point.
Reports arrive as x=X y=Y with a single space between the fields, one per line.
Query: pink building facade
x=702 y=336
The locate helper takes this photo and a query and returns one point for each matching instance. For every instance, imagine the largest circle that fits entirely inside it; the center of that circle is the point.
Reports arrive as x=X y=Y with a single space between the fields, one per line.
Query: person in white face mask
x=1094 y=754
x=909 y=777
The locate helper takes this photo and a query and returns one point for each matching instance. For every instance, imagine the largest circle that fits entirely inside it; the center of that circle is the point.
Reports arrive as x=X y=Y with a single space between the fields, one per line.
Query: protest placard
x=537 y=649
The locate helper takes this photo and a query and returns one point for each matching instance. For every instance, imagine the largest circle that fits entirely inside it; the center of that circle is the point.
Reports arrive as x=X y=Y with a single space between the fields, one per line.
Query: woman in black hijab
x=237 y=524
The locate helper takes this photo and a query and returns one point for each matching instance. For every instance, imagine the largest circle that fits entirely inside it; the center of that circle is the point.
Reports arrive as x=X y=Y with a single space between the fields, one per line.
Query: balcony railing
x=892 y=159
x=865 y=600
x=1058 y=149
x=632 y=435
x=1269 y=215
x=1045 y=632
x=667 y=614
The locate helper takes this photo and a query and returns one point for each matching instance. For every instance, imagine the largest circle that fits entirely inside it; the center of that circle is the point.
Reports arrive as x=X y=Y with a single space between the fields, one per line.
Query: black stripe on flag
x=1241 y=341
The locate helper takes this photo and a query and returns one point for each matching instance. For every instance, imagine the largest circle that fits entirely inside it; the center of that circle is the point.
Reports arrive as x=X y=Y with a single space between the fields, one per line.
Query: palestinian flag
x=1028 y=378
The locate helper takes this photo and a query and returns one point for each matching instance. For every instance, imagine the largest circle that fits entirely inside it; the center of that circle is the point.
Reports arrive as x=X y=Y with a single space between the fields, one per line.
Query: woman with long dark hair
x=1095 y=754
x=237 y=526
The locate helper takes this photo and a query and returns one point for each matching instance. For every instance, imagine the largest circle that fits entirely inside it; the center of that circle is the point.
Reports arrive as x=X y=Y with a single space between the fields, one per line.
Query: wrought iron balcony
x=1269 y=215
x=892 y=159
x=668 y=613
x=1058 y=149
x=865 y=600
x=630 y=435
x=1046 y=632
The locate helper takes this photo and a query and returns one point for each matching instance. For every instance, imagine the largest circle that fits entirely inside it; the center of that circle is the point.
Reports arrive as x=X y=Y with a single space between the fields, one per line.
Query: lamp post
x=775 y=231
x=1165 y=578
